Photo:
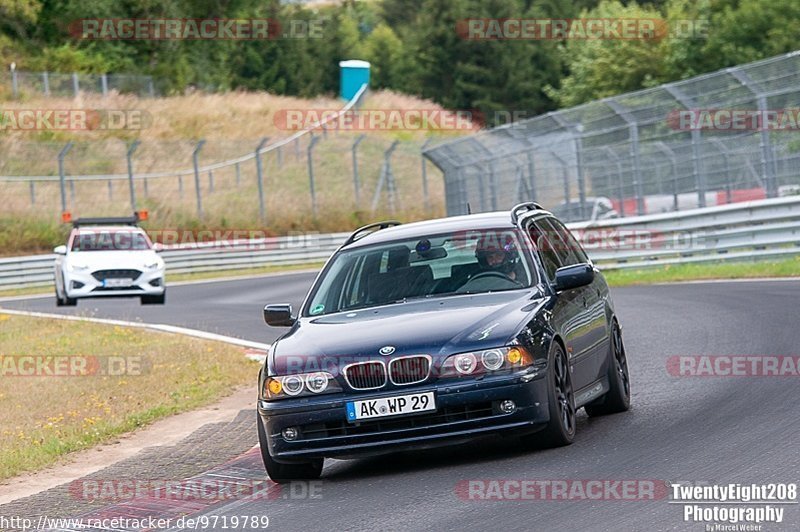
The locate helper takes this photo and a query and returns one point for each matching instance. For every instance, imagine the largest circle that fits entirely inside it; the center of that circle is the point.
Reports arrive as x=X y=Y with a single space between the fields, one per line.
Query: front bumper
x=464 y=411
x=83 y=284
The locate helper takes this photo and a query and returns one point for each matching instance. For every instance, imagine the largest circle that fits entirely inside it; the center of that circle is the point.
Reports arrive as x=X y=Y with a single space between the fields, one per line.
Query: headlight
x=281 y=387
x=153 y=266
x=78 y=267
x=486 y=361
x=465 y=363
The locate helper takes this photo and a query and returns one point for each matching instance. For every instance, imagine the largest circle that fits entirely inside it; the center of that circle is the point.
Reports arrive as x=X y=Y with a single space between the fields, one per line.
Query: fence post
x=297 y=148
x=531 y=175
x=210 y=181
x=14 y=81
x=426 y=197
x=61 y=178
x=260 y=181
x=32 y=187
x=565 y=177
x=621 y=182
x=131 y=186
x=110 y=191
x=390 y=181
x=104 y=84
x=180 y=186
x=310 y=152
x=75 y=85
x=356 y=184
x=386 y=176
x=279 y=154
x=46 y=83
x=238 y=174
x=195 y=155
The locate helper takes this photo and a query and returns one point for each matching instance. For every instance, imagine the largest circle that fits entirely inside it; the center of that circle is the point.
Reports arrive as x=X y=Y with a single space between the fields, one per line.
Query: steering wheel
x=489 y=275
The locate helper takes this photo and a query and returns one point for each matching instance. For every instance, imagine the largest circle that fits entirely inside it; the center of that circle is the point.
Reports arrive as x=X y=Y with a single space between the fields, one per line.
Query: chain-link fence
x=324 y=180
x=723 y=137
x=20 y=83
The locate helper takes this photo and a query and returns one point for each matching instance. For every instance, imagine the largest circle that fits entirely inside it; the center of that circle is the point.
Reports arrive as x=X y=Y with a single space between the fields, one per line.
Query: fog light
x=290 y=433
x=508 y=406
x=76 y=285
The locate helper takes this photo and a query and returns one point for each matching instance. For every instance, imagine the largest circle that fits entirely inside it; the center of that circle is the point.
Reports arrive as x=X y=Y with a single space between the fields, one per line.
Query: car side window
x=545 y=248
x=572 y=251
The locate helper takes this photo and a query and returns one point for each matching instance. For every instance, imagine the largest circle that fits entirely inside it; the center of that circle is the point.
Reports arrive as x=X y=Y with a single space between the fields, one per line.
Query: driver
x=497 y=253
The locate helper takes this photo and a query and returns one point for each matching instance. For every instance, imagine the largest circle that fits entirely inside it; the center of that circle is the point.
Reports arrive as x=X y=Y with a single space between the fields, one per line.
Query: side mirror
x=279 y=315
x=574 y=276
x=60 y=250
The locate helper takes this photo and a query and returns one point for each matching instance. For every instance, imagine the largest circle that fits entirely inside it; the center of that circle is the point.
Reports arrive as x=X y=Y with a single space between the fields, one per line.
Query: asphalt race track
x=698 y=429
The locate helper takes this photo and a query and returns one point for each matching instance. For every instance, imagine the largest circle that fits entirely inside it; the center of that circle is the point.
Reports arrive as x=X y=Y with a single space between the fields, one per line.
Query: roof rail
x=528 y=206
x=122 y=220
x=377 y=226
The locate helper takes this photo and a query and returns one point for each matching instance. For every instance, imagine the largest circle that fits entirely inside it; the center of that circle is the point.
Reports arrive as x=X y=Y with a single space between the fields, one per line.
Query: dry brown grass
x=45 y=417
x=232 y=124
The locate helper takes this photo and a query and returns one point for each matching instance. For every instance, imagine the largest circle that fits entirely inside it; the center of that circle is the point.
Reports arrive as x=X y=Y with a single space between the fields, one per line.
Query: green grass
x=694 y=272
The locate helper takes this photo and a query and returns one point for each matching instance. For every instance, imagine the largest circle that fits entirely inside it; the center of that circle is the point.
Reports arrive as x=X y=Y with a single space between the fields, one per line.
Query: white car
x=114 y=260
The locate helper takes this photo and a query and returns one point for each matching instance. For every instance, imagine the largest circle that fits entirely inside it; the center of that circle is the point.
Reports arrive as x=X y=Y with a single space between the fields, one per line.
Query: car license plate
x=390 y=406
x=118 y=283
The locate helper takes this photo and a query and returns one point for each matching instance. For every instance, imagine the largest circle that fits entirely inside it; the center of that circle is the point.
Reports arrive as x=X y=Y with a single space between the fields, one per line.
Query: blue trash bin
x=353 y=74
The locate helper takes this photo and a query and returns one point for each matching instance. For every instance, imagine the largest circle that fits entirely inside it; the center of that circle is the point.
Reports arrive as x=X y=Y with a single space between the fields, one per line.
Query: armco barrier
x=741 y=231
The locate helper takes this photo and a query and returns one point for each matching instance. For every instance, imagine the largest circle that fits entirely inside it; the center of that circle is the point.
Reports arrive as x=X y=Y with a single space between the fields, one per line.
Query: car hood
x=436 y=326
x=113 y=260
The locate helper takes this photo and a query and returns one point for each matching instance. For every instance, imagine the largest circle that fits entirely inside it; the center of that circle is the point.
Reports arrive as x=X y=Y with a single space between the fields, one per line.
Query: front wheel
x=65 y=301
x=560 y=430
x=284 y=473
x=618 y=397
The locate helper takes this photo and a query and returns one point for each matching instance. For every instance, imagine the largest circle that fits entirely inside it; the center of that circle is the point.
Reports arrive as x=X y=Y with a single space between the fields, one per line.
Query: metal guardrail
x=754 y=230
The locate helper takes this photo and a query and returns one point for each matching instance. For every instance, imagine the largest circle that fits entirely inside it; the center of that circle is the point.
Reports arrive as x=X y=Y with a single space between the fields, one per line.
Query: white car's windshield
x=457 y=263
x=110 y=241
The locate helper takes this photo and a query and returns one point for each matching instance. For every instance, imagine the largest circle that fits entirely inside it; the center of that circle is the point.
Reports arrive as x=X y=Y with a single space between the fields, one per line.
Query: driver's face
x=495 y=258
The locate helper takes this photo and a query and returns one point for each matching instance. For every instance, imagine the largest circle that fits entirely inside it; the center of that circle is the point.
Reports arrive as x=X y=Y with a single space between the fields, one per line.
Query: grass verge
x=697 y=272
x=116 y=379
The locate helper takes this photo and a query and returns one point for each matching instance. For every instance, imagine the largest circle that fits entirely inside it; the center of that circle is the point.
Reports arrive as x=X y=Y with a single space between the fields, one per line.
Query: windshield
x=110 y=241
x=466 y=262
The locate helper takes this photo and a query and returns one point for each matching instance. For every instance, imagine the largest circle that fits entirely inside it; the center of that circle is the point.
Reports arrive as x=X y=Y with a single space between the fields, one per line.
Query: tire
x=154 y=300
x=618 y=397
x=65 y=301
x=284 y=473
x=560 y=430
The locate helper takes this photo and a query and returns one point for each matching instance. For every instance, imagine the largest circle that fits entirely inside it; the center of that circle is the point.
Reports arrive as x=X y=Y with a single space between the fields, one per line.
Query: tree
x=384 y=50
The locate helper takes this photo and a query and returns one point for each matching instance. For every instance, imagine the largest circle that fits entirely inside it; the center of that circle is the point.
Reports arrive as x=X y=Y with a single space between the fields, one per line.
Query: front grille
x=409 y=370
x=441 y=417
x=365 y=375
x=101 y=275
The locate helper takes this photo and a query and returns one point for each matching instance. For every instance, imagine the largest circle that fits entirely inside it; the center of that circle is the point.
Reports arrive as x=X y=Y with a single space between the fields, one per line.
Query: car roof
x=468 y=222
x=96 y=228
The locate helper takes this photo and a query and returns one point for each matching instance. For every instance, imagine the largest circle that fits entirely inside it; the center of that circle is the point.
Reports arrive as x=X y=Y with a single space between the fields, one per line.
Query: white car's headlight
x=154 y=266
x=78 y=267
